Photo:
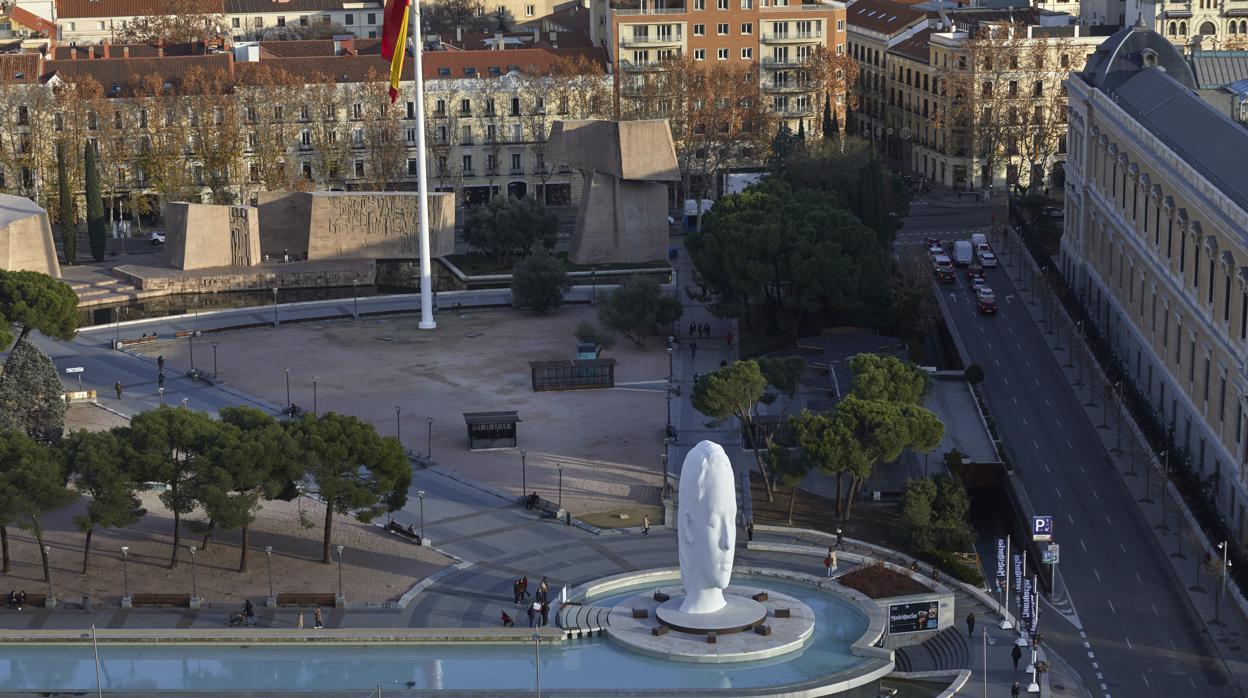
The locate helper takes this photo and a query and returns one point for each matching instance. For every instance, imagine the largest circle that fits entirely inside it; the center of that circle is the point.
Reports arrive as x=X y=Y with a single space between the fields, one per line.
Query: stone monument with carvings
x=353 y=225
x=622 y=214
x=206 y=236
x=26 y=238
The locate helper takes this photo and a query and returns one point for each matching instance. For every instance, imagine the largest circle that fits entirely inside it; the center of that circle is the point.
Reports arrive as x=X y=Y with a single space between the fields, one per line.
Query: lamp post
x=125 y=575
x=560 y=485
x=1226 y=569
x=314 y=412
x=268 y=556
x=116 y=328
x=286 y=370
x=339 y=549
x=214 y=359
x=355 y=298
x=429 y=438
x=593 y=279
x=398 y=425
x=524 y=477
x=161 y=392
x=194 y=585
x=663 y=489
x=421 y=495
x=47 y=553
x=275 y=323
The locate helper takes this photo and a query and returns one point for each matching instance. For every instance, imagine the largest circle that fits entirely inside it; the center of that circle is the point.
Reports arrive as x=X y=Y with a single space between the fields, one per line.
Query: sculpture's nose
x=723 y=538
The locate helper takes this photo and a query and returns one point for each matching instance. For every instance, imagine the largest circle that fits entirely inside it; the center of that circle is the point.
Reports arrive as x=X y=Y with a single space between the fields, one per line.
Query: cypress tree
x=97 y=224
x=69 y=232
x=829 y=126
x=849 y=118
x=801 y=131
x=836 y=126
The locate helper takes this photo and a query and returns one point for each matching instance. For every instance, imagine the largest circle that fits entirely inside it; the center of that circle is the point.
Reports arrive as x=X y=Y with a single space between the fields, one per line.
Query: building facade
x=1155 y=247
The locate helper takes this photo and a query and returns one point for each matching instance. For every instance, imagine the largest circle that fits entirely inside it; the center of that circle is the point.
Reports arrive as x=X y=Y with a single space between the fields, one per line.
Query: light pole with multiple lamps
x=194 y=584
x=429 y=439
x=524 y=476
x=314 y=412
x=275 y=323
x=341 y=600
x=268 y=556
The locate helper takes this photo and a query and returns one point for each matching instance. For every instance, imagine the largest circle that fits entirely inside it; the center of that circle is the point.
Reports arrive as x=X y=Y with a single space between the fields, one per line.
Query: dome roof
x=1133 y=49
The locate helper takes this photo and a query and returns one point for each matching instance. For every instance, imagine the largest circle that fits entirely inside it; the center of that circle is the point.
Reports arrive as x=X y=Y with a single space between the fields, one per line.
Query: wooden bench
x=149 y=339
x=32 y=600
x=399 y=530
x=160 y=600
x=305 y=599
x=183 y=334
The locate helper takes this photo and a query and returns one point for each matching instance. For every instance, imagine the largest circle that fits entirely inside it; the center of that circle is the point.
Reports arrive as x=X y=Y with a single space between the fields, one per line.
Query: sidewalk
x=1179 y=536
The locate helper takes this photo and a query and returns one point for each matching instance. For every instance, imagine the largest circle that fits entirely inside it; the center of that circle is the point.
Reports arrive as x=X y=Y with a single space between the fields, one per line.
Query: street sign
x=74 y=369
x=1042 y=528
x=1050 y=555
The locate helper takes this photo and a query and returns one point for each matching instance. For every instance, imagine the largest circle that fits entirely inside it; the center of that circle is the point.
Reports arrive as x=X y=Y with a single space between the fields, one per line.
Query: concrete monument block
x=203 y=236
x=354 y=225
x=622 y=214
x=26 y=237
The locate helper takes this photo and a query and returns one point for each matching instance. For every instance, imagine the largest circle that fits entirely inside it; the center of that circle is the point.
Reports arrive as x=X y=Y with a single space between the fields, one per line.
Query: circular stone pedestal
x=728 y=635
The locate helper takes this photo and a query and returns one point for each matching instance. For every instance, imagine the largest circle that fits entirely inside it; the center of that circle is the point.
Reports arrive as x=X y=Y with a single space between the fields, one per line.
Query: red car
x=985 y=301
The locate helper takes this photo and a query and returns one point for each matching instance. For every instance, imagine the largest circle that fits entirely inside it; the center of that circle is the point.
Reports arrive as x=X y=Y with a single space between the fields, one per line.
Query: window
x=747 y=4
x=840 y=25
x=465 y=107
x=529 y=10
x=257 y=22
x=747 y=28
x=516 y=167
x=357 y=111
x=699 y=30
x=699 y=4
x=303 y=20
x=253 y=172
x=722 y=54
x=236 y=22
x=307 y=170
x=359 y=168
x=721 y=4
x=305 y=139
x=58 y=121
x=281 y=21
x=348 y=19
x=372 y=17
x=413 y=165
x=747 y=54
x=721 y=29
x=465 y=136
x=467 y=163
x=699 y=54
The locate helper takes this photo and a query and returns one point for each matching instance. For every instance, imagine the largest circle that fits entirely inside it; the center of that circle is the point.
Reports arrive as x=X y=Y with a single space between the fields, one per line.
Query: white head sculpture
x=707 y=527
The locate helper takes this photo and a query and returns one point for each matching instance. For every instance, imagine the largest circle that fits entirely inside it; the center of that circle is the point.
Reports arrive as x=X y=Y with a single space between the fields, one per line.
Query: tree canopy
x=510 y=226
x=933 y=515
x=734 y=391
x=884 y=377
x=539 y=282
x=776 y=256
x=68 y=219
x=97 y=222
x=182 y=21
x=31 y=395
x=637 y=308
x=99 y=466
x=36 y=485
x=32 y=301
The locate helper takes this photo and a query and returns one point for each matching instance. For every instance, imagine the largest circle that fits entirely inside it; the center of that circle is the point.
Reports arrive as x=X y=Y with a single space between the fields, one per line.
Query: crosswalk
x=916 y=237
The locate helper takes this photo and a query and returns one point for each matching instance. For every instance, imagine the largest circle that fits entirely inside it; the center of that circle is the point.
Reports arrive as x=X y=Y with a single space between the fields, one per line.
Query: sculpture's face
x=708 y=533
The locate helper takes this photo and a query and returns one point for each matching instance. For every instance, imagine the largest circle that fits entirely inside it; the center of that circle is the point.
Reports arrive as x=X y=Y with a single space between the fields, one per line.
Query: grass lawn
x=611 y=519
x=480 y=264
x=868 y=522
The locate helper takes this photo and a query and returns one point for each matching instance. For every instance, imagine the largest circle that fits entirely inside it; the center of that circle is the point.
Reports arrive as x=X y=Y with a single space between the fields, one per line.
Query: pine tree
x=69 y=230
x=97 y=223
x=829 y=126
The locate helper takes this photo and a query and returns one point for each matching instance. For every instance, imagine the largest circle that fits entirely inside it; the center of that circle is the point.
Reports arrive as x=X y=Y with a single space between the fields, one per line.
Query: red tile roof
x=915 y=47
x=453 y=64
x=883 y=16
x=340 y=69
x=107 y=50
x=73 y=9
x=20 y=68
x=116 y=75
x=30 y=20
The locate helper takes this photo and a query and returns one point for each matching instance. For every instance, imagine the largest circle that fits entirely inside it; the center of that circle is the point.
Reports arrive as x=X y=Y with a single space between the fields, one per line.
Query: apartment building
x=1155 y=247
x=26 y=21
x=875 y=27
x=972 y=97
x=779 y=37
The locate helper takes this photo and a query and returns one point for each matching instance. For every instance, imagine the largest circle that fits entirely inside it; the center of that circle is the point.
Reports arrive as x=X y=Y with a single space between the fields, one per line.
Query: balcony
x=787 y=87
x=772 y=62
x=793 y=112
x=802 y=7
x=792 y=37
x=655 y=41
x=517 y=171
x=648 y=7
x=641 y=66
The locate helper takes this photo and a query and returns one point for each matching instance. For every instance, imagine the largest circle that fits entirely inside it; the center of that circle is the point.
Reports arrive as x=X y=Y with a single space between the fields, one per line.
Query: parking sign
x=1042 y=528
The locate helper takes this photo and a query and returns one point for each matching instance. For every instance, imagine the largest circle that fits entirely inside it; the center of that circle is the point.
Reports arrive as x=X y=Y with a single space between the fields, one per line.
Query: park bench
x=160 y=600
x=183 y=334
x=136 y=341
x=305 y=599
x=32 y=600
x=400 y=530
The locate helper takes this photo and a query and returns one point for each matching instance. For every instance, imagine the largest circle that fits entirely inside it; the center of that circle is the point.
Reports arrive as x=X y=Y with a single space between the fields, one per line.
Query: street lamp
x=593 y=279
x=286 y=370
x=663 y=489
x=339 y=548
x=429 y=439
x=314 y=379
x=421 y=495
x=560 y=485
x=355 y=298
x=214 y=359
x=275 y=306
x=125 y=574
x=398 y=426
x=1226 y=569
x=47 y=553
x=524 y=478
x=194 y=585
x=268 y=556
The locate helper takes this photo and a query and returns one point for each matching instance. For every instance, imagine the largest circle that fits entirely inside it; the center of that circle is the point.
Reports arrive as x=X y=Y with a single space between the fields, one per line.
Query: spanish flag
x=394 y=41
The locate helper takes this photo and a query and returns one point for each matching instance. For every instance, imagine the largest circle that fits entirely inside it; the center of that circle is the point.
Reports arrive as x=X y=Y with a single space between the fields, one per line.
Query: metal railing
x=792 y=36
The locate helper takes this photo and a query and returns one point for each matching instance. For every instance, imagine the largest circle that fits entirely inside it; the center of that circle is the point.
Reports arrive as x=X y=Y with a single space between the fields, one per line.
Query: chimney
x=160 y=48
x=104 y=53
x=498 y=41
x=459 y=35
x=125 y=51
x=344 y=44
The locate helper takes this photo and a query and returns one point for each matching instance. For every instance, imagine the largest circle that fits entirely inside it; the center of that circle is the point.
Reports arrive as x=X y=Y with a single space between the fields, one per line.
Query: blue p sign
x=1041 y=528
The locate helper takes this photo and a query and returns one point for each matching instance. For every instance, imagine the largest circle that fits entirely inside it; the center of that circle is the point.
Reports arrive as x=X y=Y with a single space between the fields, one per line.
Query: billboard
x=913 y=617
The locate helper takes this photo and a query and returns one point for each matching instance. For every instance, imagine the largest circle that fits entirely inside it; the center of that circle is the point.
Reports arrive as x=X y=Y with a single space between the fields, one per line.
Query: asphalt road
x=1126 y=624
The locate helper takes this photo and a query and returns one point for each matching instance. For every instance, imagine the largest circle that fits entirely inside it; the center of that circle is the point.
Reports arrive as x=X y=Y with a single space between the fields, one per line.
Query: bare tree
x=324 y=102
x=1037 y=121
x=383 y=131
x=183 y=21
x=213 y=121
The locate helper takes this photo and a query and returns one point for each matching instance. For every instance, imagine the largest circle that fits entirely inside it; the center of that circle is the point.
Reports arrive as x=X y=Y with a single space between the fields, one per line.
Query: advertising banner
x=913 y=617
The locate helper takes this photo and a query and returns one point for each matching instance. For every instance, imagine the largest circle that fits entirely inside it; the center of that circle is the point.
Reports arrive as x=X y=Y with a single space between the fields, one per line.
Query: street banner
x=1027 y=600
x=1035 y=617
x=1001 y=553
x=1018 y=573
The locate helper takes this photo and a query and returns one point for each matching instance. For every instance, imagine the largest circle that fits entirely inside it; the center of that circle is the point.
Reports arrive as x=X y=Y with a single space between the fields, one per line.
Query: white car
x=158 y=238
x=987 y=257
x=934 y=250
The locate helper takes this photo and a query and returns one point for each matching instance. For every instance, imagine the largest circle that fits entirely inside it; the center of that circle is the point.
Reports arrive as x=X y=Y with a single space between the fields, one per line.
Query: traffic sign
x=1041 y=528
x=1051 y=555
x=74 y=369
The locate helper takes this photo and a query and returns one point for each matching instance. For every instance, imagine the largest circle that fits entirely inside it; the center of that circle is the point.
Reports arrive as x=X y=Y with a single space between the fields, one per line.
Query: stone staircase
x=102 y=290
x=947 y=650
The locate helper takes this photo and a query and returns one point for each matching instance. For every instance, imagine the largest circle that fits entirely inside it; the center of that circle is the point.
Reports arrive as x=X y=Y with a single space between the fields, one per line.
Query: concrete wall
x=26 y=237
x=203 y=236
x=353 y=225
x=620 y=221
x=627 y=149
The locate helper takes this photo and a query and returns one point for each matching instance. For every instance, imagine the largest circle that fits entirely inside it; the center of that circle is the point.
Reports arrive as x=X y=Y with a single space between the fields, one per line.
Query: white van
x=979 y=240
x=962 y=253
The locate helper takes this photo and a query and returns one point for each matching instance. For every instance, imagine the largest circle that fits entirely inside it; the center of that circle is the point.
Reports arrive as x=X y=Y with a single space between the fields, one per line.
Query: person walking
x=1015 y=690
x=706 y=329
x=160 y=378
x=299 y=620
x=749 y=530
x=507 y=621
x=532 y=615
x=1016 y=654
x=545 y=614
x=728 y=338
x=249 y=613
x=829 y=562
x=524 y=588
x=692 y=328
x=543 y=591
x=160 y=362
x=970 y=625
x=515 y=592
x=840 y=539
x=117 y=387
x=316 y=619
x=645 y=525
x=693 y=350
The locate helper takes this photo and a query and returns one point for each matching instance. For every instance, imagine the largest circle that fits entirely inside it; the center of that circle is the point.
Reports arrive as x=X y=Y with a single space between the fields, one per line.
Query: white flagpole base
x=428 y=325
x=1006 y=624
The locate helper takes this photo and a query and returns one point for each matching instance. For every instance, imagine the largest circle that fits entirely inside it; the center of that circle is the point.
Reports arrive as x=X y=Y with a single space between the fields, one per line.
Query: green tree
x=913 y=300
x=539 y=282
x=65 y=200
x=592 y=334
x=914 y=520
x=790 y=469
x=974 y=374
x=352 y=469
x=850 y=170
x=97 y=465
x=836 y=127
x=33 y=475
x=784 y=373
x=829 y=130
x=97 y=222
x=783 y=146
x=822 y=441
x=168 y=443
x=509 y=226
x=734 y=391
x=884 y=377
x=31 y=395
x=950 y=510
x=251 y=457
x=775 y=257
x=637 y=308
x=32 y=301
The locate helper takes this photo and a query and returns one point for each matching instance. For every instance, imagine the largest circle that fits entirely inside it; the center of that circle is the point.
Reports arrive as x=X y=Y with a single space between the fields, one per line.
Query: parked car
x=985 y=301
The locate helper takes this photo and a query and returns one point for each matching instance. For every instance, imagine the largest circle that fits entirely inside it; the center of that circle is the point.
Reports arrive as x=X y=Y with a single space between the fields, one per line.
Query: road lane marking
x=1111 y=606
x=998 y=363
x=1072 y=519
x=1146 y=683
x=1058 y=491
x=1037 y=382
x=1007 y=380
x=1173 y=646
x=989 y=346
x=1108 y=522
x=1155 y=612
x=1138 y=578
x=1047 y=470
x=1082 y=469
x=1015 y=399
x=1027 y=362
x=1081 y=545
x=1129 y=646
x=1024 y=420
x=1123 y=546
x=1059 y=422
x=1068 y=444
x=1094 y=494
x=1094 y=571
x=1047 y=403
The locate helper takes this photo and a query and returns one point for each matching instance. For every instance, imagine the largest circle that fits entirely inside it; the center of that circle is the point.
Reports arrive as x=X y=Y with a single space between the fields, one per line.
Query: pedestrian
x=645 y=525
x=692 y=328
x=970 y=625
x=749 y=530
x=532 y=616
x=317 y=621
x=117 y=387
x=507 y=621
x=723 y=363
x=729 y=338
x=249 y=613
x=693 y=350
x=515 y=592
x=544 y=590
x=536 y=615
x=545 y=614
x=840 y=539
x=524 y=588
x=160 y=361
x=1016 y=654
x=706 y=329
x=1015 y=690
x=829 y=562
x=299 y=622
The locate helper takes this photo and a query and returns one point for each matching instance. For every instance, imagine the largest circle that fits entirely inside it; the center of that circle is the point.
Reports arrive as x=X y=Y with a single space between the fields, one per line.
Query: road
x=1127 y=626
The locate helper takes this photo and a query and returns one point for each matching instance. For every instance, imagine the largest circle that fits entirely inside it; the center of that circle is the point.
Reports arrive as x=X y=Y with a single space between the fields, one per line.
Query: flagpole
x=416 y=42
